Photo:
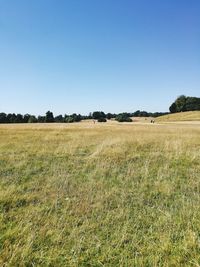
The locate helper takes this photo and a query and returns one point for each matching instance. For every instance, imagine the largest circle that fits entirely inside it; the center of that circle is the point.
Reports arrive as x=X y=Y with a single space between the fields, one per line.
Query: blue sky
x=85 y=55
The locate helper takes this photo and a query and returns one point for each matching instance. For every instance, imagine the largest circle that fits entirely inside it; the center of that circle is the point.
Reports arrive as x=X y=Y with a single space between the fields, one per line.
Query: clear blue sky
x=84 y=55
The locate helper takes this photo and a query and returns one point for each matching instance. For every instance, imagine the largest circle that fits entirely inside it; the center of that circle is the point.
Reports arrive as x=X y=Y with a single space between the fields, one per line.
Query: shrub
x=123 y=118
x=102 y=120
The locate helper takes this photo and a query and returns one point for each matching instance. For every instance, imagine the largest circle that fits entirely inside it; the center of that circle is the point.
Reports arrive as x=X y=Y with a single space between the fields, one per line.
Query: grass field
x=99 y=195
x=181 y=116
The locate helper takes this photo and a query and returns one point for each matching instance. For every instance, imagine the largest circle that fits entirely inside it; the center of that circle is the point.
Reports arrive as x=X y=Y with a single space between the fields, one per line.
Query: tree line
x=49 y=117
x=185 y=103
x=182 y=103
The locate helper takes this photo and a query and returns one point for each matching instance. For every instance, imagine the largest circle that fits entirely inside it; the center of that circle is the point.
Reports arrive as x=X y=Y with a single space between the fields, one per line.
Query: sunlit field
x=192 y=116
x=108 y=194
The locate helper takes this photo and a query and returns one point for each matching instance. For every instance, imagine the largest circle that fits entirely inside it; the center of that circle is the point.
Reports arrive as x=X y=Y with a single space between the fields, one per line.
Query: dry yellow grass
x=182 y=116
x=99 y=195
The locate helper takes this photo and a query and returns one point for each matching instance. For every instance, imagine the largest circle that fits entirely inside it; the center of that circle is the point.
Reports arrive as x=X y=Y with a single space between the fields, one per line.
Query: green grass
x=99 y=195
x=181 y=116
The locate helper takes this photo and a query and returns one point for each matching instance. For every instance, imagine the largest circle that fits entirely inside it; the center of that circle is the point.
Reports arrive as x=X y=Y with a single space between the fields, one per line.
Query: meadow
x=100 y=195
x=192 y=116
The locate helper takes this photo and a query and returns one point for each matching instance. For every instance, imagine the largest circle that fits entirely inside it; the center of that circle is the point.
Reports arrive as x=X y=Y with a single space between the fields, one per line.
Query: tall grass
x=100 y=195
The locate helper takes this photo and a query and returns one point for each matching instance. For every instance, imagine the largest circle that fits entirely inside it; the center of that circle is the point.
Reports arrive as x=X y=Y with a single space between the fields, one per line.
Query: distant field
x=182 y=116
x=99 y=195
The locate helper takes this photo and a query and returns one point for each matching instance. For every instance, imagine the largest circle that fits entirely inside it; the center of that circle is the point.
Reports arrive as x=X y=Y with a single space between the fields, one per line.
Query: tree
x=183 y=103
x=143 y=113
x=172 y=108
x=136 y=113
x=90 y=116
x=123 y=117
x=32 y=119
x=69 y=119
x=11 y=117
x=19 y=118
x=76 y=117
x=49 y=117
x=26 y=118
x=110 y=116
x=41 y=119
x=192 y=103
x=3 y=118
x=98 y=114
x=180 y=103
x=59 y=118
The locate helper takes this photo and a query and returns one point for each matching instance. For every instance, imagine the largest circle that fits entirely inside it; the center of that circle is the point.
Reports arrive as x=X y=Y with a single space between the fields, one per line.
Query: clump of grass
x=99 y=195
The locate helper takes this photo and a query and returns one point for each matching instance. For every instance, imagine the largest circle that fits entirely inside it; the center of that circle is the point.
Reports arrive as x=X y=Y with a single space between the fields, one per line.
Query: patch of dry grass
x=181 y=116
x=99 y=195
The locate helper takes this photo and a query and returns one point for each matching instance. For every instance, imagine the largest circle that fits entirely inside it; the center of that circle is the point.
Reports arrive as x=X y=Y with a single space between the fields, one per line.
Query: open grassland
x=99 y=195
x=181 y=116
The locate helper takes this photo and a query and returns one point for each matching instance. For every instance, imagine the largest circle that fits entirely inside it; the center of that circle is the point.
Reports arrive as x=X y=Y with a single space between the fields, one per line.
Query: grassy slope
x=108 y=195
x=182 y=116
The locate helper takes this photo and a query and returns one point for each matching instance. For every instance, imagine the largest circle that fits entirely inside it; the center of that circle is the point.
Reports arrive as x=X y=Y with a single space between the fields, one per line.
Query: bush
x=102 y=120
x=123 y=118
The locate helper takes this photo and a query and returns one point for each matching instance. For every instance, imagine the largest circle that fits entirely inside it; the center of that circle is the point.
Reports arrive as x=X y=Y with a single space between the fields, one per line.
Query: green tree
x=123 y=117
x=172 y=108
x=26 y=118
x=76 y=117
x=180 y=103
x=19 y=118
x=11 y=117
x=32 y=119
x=98 y=114
x=49 y=117
x=59 y=118
x=41 y=119
x=110 y=116
x=69 y=119
x=183 y=103
x=192 y=103
x=3 y=118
